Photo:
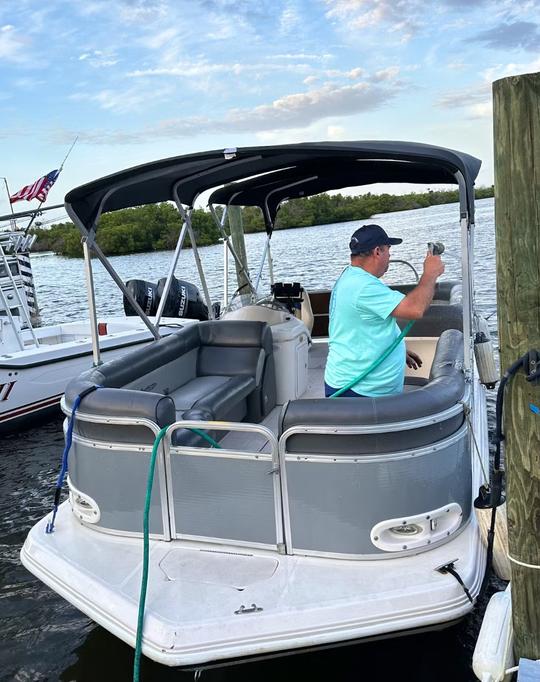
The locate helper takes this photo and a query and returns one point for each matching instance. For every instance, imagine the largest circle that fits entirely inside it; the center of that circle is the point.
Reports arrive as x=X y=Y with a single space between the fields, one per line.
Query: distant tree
x=157 y=227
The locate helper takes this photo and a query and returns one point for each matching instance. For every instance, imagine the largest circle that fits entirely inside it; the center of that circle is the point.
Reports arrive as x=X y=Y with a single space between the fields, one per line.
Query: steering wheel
x=406 y=262
x=271 y=303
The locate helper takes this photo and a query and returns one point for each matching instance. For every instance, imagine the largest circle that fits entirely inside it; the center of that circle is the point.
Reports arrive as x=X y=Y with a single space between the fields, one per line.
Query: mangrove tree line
x=156 y=227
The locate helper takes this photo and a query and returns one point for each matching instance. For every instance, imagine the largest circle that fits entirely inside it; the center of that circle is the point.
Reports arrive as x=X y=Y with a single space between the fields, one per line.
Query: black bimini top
x=265 y=176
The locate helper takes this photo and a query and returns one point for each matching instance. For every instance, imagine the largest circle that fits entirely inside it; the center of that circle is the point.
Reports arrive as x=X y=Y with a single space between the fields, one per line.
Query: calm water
x=42 y=637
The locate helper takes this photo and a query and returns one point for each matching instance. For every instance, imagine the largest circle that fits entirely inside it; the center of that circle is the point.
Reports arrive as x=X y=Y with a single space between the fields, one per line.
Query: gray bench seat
x=218 y=395
x=444 y=389
x=218 y=370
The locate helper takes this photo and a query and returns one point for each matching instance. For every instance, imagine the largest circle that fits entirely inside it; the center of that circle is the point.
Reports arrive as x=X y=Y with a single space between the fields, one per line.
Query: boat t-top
x=277 y=519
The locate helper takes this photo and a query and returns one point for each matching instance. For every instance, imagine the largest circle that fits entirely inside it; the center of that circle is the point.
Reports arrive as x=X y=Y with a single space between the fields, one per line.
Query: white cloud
x=511 y=34
x=123 y=101
x=13 y=46
x=363 y=14
x=29 y=84
x=511 y=69
x=303 y=55
x=304 y=108
x=477 y=94
x=388 y=74
x=290 y=112
x=129 y=11
x=186 y=69
x=99 y=59
x=481 y=110
x=157 y=40
x=476 y=99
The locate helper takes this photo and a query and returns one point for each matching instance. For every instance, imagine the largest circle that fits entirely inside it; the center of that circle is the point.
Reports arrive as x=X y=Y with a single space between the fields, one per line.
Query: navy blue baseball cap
x=368 y=237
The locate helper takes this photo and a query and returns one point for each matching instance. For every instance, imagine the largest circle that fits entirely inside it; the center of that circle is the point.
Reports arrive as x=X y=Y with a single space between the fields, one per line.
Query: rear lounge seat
x=219 y=370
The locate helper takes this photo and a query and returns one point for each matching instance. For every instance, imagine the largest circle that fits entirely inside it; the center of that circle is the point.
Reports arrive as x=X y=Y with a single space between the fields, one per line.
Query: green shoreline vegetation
x=156 y=227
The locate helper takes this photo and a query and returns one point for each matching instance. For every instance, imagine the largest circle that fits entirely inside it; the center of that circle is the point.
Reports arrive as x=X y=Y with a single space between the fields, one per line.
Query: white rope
x=521 y=563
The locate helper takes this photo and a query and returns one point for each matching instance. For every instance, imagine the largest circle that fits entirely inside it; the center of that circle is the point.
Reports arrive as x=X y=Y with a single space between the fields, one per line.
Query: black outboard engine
x=184 y=300
x=146 y=295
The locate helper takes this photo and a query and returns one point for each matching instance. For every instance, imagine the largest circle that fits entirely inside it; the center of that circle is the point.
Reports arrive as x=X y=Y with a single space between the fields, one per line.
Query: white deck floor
x=195 y=591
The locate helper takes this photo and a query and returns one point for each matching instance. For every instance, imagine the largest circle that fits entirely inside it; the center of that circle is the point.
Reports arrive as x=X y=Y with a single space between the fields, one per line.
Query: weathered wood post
x=516 y=114
x=239 y=244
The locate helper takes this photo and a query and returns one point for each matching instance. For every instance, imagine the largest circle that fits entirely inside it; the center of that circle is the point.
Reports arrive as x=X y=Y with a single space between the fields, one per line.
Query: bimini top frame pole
x=467 y=259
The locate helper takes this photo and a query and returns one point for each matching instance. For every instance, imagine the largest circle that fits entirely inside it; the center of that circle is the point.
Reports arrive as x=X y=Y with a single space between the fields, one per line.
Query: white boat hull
x=33 y=380
x=195 y=591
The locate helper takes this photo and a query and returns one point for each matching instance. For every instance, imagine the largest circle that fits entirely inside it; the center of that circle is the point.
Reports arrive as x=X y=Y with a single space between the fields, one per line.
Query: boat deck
x=207 y=602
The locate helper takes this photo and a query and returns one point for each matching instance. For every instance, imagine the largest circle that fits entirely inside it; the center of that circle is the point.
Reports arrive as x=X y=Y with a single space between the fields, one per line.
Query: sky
x=139 y=80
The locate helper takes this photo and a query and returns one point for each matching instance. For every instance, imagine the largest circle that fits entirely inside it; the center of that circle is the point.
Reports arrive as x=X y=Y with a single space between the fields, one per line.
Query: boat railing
x=17 y=303
x=230 y=494
x=261 y=495
x=345 y=505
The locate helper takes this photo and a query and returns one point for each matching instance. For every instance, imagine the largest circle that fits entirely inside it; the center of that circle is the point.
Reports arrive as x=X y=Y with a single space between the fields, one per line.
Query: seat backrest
x=233 y=347
x=445 y=389
x=436 y=320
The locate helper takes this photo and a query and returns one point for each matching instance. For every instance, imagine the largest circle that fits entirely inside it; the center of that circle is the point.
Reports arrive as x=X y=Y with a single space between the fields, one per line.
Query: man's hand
x=433 y=266
x=413 y=360
x=417 y=301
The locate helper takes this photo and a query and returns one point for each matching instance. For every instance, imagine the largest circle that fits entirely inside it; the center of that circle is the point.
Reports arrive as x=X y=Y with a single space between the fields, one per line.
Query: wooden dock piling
x=516 y=113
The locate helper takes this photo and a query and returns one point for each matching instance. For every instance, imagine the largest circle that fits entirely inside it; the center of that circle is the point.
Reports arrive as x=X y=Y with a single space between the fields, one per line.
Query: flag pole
x=69 y=152
x=14 y=224
x=41 y=202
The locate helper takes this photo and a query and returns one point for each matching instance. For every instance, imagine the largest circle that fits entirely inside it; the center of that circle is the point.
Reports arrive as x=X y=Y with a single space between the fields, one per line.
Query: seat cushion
x=187 y=395
x=216 y=395
x=226 y=395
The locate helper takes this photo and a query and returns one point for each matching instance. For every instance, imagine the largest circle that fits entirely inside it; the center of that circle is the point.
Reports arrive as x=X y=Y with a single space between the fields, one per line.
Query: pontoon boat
x=279 y=519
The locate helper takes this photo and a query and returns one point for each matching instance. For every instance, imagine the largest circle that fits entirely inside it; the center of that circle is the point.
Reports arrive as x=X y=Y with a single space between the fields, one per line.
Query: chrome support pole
x=166 y=289
x=20 y=304
x=225 y=274
x=91 y=303
x=187 y=220
x=466 y=274
x=270 y=265
x=263 y=259
x=120 y=284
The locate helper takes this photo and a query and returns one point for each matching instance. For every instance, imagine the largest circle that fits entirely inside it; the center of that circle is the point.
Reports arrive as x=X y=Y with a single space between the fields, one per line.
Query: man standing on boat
x=362 y=318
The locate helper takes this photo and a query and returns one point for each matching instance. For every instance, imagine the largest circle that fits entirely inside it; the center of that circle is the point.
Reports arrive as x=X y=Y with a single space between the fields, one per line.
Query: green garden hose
x=146 y=542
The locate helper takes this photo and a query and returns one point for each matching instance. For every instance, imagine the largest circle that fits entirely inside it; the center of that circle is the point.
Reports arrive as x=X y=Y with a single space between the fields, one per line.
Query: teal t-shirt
x=361 y=329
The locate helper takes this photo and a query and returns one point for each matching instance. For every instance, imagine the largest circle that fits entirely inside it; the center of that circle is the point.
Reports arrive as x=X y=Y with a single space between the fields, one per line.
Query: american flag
x=38 y=190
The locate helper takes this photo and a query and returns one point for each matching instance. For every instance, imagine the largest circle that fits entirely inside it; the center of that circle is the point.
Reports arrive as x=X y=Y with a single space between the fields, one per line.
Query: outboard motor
x=146 y=295
x=183 y=300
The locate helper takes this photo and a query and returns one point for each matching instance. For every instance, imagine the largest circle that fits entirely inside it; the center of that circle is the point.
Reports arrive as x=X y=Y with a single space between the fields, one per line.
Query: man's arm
x=415 y=304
